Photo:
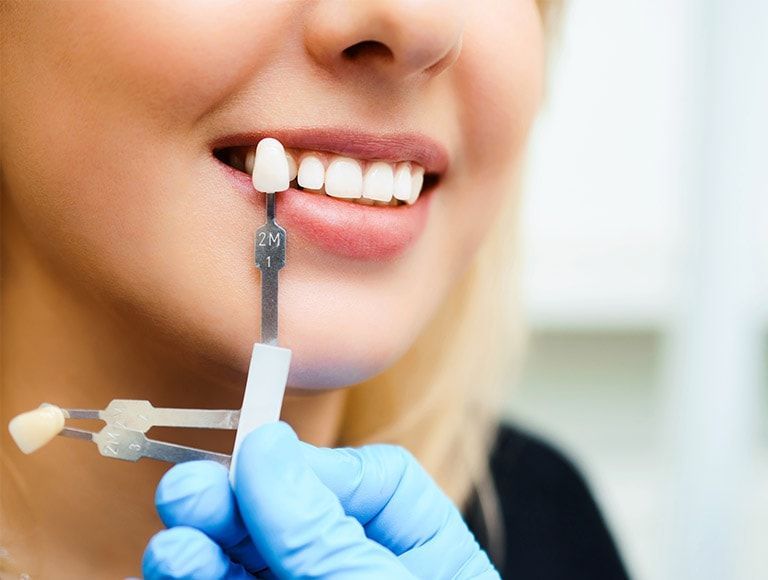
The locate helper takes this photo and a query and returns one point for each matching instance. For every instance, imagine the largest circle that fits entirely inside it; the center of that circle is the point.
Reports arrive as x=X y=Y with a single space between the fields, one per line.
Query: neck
x=87 y=515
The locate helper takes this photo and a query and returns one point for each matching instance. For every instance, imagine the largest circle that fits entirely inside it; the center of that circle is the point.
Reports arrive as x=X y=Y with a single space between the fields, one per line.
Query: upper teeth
x=384 y=182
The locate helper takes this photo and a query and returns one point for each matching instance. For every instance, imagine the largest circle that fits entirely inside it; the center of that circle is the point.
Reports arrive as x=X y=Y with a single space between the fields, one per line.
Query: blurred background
x=645 y=277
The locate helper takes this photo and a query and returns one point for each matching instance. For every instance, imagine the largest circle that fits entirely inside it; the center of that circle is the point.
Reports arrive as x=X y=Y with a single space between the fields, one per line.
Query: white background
x=646 y=277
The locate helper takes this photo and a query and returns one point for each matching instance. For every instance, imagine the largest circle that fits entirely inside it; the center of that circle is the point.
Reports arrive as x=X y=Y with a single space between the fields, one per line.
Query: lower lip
x=350 y=230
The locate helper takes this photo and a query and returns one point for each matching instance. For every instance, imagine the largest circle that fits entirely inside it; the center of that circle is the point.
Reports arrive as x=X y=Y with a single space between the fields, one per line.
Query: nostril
x=369 y=49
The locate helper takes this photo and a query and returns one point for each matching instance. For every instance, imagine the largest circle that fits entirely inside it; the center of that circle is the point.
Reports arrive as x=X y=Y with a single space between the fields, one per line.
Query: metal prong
x=77 y=433
x=270 y=258
x=140 y=415
x=130 y=445
x=270 y=206
x=82 y=413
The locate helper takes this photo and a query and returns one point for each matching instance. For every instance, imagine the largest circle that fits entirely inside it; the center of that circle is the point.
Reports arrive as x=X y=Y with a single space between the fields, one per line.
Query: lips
x=428 y=153
x=352 y=230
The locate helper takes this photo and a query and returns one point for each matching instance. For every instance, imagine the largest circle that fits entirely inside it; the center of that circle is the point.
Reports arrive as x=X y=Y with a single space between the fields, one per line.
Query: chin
x=320 y=374
x=331 y=356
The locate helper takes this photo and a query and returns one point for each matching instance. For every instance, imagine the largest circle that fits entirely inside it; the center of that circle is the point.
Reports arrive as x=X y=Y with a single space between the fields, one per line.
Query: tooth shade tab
x=33 y=429
x=311 y=172
x=271 y=172
x=344 y=178
x=403 y=182
x=250 y=156
x=379 y=181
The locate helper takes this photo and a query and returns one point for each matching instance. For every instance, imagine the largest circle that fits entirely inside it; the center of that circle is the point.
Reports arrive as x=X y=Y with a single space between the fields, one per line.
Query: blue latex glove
x=307 y=512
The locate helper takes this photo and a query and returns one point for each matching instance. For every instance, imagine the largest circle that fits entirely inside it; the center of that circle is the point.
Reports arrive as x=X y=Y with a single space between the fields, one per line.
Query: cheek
x=84 y=77
x=500 y=75
x=111 y=183
x=191 y=56
x=169 y=60
x=101 y=101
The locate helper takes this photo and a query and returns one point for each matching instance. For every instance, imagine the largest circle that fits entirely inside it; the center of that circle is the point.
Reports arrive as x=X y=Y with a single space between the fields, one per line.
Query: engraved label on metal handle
x=270 y=257
x=140 y=415
x=129 y=445
x=270 y=247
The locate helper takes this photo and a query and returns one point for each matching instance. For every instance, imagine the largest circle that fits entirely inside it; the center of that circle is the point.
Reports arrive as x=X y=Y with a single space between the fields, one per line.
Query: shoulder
x=524 y=465
x=552 y=524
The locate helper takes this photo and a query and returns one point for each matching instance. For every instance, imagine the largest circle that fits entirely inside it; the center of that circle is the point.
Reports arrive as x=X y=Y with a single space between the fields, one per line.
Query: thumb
x=401 y=508
x=296 y=522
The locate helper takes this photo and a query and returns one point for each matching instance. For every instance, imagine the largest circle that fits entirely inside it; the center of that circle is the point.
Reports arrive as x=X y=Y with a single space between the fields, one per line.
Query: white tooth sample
x=403 y=182
x=344 y=178
x=270 y=167
x=379 y=181
x=33 y=429
x=417 y=181
x=249 y=157
x=292 y=168
x=311 y=172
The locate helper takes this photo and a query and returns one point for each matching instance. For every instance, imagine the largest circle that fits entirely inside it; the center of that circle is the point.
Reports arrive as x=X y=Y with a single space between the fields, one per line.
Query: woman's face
x=112 y=113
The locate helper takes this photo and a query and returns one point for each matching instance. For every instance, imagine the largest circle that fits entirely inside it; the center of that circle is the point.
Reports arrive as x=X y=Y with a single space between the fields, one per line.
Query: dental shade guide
x=127 y=420
x=268 y=371
x=123 y=435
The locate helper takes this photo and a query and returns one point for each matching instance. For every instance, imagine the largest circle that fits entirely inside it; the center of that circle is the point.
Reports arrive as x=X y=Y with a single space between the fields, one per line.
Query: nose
x=397 y=39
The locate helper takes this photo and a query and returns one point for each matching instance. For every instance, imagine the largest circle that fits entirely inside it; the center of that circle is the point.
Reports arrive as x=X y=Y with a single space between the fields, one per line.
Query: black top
x=553 y=527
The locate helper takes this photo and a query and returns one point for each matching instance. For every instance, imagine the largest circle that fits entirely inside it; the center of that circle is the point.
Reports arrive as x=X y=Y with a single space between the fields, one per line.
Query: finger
x=187 y=553
x=197 y=494
x=400 y=507
x=379 y=485
x=296 y=522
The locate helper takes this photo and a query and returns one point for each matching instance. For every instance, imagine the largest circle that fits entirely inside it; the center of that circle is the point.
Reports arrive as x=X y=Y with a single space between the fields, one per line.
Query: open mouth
x=385 y=182
x=374 y=182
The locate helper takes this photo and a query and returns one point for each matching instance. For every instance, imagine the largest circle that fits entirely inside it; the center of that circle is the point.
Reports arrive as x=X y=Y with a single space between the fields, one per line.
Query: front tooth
x=270 y=167
x=311 y=172
x=292 y=169
x=344 y=178
x=417 y=181
x=403 y=182
x=379 y=181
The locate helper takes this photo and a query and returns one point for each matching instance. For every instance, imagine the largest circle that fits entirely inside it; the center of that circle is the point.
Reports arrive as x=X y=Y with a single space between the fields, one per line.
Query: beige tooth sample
x=344 y=178
x=249 y=157
x=270 y=167
x=379 y=181
x=403 y=182
x=417 y=181
x=293 y=169
x=311 y=172
x=33 y=429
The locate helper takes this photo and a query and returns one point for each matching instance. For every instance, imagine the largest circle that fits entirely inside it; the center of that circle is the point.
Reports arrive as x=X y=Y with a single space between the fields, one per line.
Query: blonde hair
x=442 y=396
x=442 y=400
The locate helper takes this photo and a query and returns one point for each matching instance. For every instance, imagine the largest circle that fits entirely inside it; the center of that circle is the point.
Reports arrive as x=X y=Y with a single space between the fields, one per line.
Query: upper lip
x=415 y=147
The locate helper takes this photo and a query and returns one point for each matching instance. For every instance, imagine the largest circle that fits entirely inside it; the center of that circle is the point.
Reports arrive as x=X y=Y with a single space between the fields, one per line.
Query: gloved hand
x=308 y=512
